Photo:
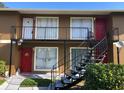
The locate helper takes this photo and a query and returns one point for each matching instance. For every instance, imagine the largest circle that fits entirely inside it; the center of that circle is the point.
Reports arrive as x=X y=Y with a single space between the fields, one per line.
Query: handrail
x=67 y=55
x=70 y=52
x=54 y=66
x=104 y=48
x=102 y=42
x=50 y=27
x=52 y=33
x=91 y=49
x=98 y=43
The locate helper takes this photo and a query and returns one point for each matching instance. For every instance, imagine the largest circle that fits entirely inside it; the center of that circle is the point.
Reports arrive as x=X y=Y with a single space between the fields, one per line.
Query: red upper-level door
x=26 y=60
x=100 y=32
x=100 y=28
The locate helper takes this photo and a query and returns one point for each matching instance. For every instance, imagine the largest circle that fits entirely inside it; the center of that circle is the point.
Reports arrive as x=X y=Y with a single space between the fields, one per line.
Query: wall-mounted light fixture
x=20 y=42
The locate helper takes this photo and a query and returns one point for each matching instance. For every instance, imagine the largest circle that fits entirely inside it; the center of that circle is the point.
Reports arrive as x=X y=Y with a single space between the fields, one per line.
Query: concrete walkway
x=13 y=83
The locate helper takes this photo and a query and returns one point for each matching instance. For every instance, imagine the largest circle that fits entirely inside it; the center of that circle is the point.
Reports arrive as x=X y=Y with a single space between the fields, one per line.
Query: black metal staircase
x=69 y=77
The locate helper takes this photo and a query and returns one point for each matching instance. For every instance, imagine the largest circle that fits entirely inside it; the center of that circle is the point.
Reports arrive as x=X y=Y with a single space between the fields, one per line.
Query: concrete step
x=58 y=84
x=65 y=80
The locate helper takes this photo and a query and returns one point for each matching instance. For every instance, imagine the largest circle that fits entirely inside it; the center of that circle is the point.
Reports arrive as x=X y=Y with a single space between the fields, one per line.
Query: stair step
x=82 y=72
x=82 y=63
x=74 y=77
x=58 y=84
x=71 y=72
x=65 y=80
x=78 y=68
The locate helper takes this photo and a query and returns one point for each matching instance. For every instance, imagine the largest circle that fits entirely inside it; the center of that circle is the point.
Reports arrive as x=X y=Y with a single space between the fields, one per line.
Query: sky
x=67 y=5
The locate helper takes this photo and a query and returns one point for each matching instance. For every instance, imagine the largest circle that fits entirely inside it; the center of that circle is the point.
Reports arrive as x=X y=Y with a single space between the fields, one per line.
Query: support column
x=10 y=63
x=64 y=56
x=118 y=55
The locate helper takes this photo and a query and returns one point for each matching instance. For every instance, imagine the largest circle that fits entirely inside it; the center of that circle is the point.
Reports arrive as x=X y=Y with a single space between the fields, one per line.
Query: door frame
x=21 y=55
x=23 y=25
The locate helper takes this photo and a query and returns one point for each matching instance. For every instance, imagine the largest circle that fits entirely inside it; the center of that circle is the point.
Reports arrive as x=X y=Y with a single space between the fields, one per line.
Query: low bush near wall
x=2 y=67
x=31 y=82
x=104 y=76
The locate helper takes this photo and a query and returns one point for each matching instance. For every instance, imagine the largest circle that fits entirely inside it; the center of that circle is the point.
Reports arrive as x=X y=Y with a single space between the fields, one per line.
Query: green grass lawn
x=1 y=82
x=30 y=82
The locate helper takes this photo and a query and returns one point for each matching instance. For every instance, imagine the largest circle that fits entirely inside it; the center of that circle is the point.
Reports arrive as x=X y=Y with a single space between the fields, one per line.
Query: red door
x=100 y=28
x=100 y=32
x=26 y=60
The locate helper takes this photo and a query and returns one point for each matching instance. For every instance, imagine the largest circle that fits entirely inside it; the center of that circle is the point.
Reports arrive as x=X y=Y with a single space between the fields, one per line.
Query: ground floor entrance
x=26 y=59
x=43 y=58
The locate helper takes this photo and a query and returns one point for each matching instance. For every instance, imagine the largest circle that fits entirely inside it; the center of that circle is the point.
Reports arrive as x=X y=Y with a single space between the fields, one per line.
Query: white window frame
x=80 y=18
x=35 y=59
x=56 y=26
x=71 y=52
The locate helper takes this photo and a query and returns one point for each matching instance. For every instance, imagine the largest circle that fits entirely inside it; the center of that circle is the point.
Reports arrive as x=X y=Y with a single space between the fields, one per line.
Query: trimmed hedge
x=104 y=76
x=2 y=67
x=2 y=81
x=30 y=82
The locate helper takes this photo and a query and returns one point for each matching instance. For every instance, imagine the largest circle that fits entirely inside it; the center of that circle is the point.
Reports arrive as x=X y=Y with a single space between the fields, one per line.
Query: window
x=77 y=54
x=45 y=58
x=47 y=28
x=80 y=27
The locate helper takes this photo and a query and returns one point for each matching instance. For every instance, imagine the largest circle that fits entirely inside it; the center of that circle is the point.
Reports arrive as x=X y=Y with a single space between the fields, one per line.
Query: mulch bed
x=1 y=78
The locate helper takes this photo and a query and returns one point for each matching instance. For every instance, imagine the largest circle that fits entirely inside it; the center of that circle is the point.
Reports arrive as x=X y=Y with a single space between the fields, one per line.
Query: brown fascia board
x=8 y=11
x=117 y=13
x=46 y=11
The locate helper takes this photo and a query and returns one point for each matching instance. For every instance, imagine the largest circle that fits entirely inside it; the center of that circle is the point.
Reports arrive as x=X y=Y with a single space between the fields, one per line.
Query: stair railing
x=100 y=50
x=100 y=45
x=56 y=68
x=100 y=53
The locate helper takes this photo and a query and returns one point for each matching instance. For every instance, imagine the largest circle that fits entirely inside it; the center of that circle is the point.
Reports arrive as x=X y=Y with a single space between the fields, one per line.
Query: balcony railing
x=51 y=33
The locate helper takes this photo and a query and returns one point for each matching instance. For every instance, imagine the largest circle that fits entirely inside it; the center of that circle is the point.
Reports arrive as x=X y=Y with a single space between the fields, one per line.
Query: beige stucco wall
x=115 y=59
x=118 y=22
x=8 y=19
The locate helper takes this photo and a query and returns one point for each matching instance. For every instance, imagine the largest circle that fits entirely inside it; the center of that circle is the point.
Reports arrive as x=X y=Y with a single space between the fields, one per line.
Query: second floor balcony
x=51 y=33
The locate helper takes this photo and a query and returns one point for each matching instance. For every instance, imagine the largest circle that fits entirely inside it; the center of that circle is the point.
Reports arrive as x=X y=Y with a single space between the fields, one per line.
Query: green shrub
x=2 y=81
x=104 y=76
x=30 y=82
x=2 y=67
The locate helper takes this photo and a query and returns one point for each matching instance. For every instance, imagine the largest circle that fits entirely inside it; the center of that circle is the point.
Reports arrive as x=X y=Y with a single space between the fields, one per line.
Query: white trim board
x=5 y=41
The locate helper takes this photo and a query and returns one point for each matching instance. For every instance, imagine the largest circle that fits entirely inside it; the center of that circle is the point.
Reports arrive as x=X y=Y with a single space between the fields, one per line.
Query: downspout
x=10 y=63
x=118 y=52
